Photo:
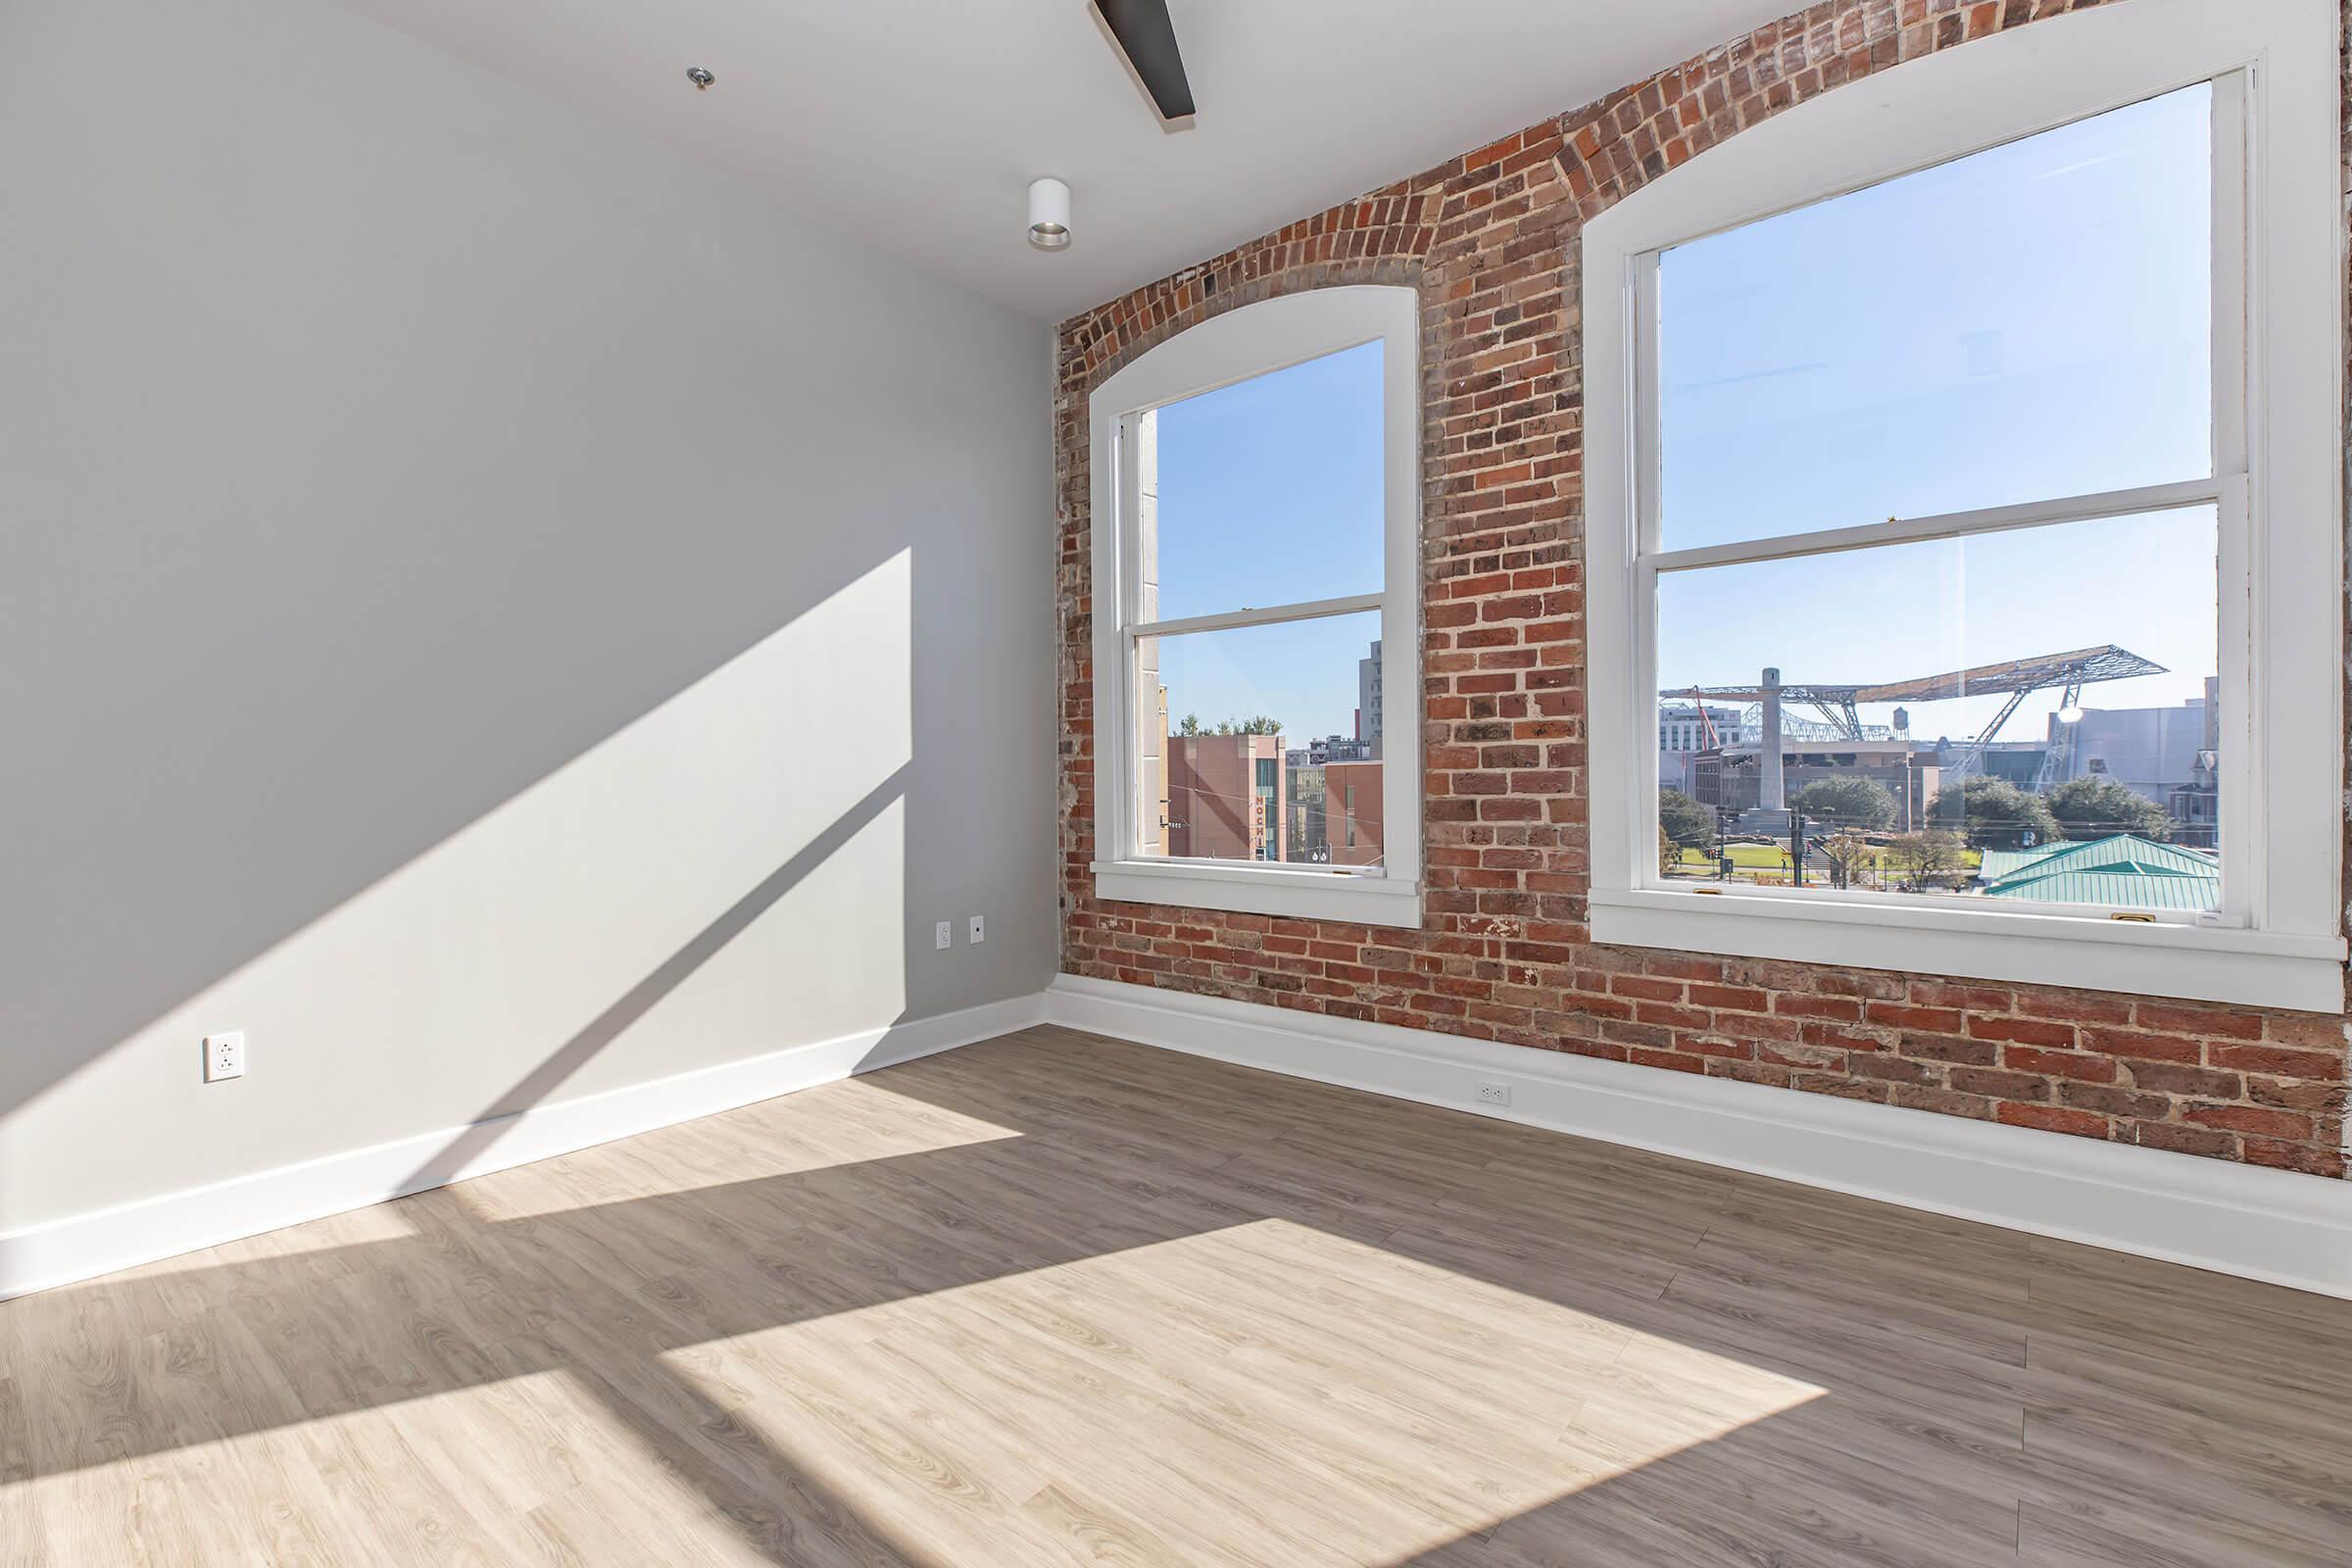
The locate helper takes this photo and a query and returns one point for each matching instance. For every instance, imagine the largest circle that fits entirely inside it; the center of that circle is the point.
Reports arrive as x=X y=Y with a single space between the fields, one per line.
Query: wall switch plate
x=1495 y=1094
x=223 y=1057
x=943 y=936
x=979 y=930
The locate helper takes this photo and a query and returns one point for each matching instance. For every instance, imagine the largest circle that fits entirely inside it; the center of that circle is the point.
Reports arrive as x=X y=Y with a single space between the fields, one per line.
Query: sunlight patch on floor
x=1264 y=1390
x=853 y=1123
x=497 y=1472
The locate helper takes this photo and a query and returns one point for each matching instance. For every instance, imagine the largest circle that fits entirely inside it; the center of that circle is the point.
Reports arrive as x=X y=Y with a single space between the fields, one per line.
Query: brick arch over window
x=1504 y=952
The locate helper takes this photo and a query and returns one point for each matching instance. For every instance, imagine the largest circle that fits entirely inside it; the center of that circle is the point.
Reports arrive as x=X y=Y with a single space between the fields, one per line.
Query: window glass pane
x=1253 y=745
x=2030 y=716
x=1266 y=491
x=2028 y=322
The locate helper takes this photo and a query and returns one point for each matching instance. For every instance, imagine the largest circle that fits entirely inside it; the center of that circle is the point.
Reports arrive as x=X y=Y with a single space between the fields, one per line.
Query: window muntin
x=2030 y=321
x=1821 y=631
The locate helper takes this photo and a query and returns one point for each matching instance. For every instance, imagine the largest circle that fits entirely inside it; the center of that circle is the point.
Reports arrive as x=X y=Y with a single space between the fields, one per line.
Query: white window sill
x=2259 y=968
x=1274 y=890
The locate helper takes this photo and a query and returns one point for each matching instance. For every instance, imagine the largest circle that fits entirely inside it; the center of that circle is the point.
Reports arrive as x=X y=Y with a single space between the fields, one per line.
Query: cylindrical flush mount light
x=1049 y=213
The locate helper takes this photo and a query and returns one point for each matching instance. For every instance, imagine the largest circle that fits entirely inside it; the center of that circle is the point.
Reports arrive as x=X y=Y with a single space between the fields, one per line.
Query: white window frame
x=1252 y=340
x=2278 y=371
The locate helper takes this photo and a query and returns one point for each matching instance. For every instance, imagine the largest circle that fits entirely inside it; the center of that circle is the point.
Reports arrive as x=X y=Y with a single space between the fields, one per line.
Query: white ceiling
x=919 y=124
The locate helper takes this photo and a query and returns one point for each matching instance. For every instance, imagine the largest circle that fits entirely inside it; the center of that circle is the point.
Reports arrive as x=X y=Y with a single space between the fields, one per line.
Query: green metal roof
x=2123 y=872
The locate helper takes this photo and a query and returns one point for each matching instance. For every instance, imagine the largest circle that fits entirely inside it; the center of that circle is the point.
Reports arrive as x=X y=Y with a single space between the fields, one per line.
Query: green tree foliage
x=1669 y=855
x=1255 y=724
x=1863 y=805
x=1191 y=725
x=1994 y=814
x=1850 y=858
x=1925 y=861
x=2095 y=808
x=1684 y=820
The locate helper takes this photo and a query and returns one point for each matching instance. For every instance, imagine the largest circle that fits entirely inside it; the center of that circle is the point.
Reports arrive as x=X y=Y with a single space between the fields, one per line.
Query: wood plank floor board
x=1057 y=1299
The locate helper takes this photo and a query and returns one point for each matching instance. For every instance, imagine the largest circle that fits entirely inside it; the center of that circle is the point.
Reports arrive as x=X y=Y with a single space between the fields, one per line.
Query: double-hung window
x=1966 y=525
x=1255 y=490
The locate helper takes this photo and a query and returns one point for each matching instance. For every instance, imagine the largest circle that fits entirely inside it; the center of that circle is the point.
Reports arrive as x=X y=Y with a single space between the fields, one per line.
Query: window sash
x=1140 y=809
x=1239 y=345
x=2227 y=488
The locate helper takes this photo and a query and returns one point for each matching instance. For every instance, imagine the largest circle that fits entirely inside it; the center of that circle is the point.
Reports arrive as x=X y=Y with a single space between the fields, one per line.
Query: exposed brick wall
x=1505 y=953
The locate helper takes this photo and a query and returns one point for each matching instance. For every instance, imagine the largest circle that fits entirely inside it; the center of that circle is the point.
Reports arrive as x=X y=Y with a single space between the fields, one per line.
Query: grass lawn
x=1769 y=861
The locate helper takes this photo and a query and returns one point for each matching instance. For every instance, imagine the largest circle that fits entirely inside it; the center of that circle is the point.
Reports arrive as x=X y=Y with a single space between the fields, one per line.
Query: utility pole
x=1796 y=844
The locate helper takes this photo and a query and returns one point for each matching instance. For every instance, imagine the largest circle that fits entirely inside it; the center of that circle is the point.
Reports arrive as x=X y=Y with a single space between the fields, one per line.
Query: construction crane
x=1706 y=725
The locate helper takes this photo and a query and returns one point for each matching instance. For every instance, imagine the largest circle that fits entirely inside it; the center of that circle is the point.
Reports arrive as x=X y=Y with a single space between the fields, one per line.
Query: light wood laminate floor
x=1056 y=1299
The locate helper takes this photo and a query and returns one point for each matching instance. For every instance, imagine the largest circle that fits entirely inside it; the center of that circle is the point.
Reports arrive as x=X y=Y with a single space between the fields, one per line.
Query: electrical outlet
x=1495 y=1094
x=979 y=930
x=223 y=1057
x=942 y=935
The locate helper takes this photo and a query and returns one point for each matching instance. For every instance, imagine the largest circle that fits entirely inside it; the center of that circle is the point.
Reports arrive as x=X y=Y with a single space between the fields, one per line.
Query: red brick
x=2054 y=1120
x=1903 y=1015
x=1507 y=953
x=2024 y=1031
x=2084 y=1066
x=2251 y=1119
x=2204 y=1021
x=2146 y=1046
x=2278 y=1060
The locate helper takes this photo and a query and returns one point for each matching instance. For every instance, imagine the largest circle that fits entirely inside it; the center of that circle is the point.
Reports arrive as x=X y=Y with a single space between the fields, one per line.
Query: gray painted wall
x=490 y=607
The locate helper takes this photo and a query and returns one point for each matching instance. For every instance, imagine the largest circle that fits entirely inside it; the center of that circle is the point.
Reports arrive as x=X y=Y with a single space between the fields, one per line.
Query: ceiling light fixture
x=701 y=79
x=1049 y=214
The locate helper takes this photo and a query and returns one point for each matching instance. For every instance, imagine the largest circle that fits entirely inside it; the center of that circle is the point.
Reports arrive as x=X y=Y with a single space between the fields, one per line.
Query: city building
x=1225 y=795
x=1685 y=729
x=2150 y=750
x=1367 y=700
x=1689 y=727
x=1732 y=777
x=2123 y=872
x=1351 y=812
x=1304 y=835
x=1330 y=748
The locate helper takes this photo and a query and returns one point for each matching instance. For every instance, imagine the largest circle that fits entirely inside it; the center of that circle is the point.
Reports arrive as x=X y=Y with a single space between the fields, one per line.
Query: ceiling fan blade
x=1149 y=39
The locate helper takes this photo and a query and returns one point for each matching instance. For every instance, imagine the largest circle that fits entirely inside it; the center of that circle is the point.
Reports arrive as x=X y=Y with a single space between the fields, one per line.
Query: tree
x=1849 y=854
x=1670 y=853
x=1994 y=814
x=1684 y=820
x=1191 y=725
x=1852 y=801
x=1257 y=724
x=2094 y=806
x=1925 y=861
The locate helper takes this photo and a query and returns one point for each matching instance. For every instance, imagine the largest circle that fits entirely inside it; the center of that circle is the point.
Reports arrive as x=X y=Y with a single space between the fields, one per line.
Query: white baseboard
x=2279 y=1226
x=86 y=1246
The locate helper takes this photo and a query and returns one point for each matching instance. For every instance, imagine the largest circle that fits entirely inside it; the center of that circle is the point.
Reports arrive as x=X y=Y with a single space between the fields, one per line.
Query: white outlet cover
x=225 y=1057
x=942 y=937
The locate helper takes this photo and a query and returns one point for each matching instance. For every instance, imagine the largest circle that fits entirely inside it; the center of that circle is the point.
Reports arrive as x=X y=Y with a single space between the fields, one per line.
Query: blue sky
x=2027 y=322
x=1270 y=494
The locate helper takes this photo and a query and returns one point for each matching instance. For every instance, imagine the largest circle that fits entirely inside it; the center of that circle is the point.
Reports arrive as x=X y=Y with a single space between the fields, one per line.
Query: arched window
x=1994 y=400
x=1256 y=522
